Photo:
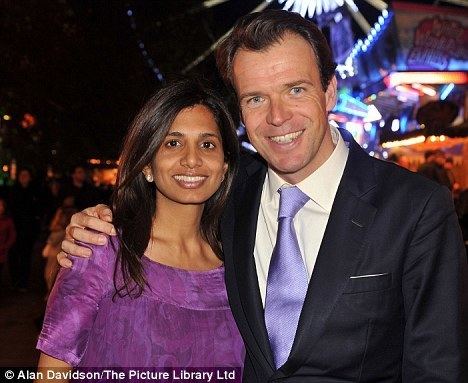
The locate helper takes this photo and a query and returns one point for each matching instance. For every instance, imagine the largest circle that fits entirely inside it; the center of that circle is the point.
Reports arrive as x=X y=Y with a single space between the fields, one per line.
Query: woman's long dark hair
x=134 y=199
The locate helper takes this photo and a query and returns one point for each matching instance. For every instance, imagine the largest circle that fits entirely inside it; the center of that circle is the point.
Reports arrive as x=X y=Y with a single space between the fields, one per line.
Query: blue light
x=385 y=13
x=129 y=12
x=403 y=123
x=446 y=91
x=381 y=20
x=377 y=27
x=364 y=48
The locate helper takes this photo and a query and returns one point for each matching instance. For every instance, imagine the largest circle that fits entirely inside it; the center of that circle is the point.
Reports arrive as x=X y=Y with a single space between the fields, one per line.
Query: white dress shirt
x=310 y=222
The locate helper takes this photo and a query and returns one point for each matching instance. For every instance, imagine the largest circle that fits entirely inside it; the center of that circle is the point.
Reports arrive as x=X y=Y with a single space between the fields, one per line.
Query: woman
x=57 y=228
x=7 y=234
x=156 y=296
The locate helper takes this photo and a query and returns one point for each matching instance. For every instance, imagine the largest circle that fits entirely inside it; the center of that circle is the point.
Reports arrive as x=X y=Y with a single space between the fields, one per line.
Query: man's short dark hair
x=428 y=153
x=260 y=30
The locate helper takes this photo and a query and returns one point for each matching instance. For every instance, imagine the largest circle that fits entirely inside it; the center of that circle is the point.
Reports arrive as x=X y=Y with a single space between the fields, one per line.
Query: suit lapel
x=247 y=208
x=344 y=237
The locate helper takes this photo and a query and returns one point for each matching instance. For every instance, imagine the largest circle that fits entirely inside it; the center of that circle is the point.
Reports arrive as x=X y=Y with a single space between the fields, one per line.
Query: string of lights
x=383 y=21
x=141 y=45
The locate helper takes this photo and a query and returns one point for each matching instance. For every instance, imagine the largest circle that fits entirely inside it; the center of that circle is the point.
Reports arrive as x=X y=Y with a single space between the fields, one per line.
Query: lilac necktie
x=287 y=278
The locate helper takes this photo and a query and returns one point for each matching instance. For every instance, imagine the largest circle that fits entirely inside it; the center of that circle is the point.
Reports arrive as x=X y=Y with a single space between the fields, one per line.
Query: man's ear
x=330 y=94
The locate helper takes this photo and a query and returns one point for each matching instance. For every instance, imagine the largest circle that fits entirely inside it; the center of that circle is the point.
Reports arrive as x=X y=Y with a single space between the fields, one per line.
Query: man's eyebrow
x=286 y=86
x=296 y=83
x=249 y=94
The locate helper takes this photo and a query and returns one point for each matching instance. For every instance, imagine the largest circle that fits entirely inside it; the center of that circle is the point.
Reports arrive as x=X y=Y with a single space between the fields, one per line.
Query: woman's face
x=189 y=166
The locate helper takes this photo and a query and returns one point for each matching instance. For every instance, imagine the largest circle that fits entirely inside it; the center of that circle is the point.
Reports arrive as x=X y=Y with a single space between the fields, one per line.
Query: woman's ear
x=148 y=174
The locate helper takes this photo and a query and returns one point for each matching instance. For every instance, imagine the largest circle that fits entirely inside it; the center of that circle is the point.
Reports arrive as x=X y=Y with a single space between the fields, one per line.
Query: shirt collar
x=327 y=177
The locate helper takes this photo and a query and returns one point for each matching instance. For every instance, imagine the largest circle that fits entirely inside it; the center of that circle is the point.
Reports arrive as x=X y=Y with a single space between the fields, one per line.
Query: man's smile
x=287 y=138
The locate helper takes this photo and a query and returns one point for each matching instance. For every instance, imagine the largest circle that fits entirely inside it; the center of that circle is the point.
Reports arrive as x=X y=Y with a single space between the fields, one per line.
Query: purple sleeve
x=74 y=302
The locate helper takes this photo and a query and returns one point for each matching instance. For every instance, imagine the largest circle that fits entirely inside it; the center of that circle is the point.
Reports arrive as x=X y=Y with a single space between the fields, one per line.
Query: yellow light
x=433 y=138
x=397 y=78
x=7 y=117
x=406 y=142
x=442 y=138
x=425 y=89
x=5 y=168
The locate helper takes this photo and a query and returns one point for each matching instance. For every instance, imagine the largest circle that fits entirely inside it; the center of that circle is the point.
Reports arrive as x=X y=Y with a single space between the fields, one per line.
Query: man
x=85 y=193
x=365 y=272
x=433 y=168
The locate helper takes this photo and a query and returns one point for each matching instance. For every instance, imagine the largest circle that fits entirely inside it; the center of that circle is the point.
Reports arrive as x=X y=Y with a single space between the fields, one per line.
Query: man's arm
x=97 y=218
x=434 y=267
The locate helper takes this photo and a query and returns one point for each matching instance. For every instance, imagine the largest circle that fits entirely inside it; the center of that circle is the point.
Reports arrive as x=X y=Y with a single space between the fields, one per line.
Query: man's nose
x=278 y=112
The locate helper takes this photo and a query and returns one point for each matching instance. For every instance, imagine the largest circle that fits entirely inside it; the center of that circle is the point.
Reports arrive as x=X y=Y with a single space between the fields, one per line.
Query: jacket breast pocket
x=368 y=283
x=372 y=296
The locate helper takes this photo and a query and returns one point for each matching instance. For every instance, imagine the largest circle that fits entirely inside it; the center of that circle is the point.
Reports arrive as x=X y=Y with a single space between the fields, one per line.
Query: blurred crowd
x=34 y=213
x=438 y=167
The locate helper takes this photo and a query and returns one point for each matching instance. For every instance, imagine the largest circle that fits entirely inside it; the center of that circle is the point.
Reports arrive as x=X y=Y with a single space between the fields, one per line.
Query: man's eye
x=172 y=144
x=297 y=90
x=208 y=145
x=255 y=100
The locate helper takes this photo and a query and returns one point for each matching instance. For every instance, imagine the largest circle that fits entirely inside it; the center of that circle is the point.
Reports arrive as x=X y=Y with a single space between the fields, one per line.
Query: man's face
x=79 y=175
x=284 y=107
x=24 y=178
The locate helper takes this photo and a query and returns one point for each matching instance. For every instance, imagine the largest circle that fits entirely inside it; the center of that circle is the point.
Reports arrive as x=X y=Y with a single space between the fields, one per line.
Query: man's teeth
x=189 y=178
x=287 y=138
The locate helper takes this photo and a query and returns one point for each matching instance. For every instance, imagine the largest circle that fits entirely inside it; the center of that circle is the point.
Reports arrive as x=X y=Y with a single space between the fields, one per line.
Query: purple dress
x=183 y=320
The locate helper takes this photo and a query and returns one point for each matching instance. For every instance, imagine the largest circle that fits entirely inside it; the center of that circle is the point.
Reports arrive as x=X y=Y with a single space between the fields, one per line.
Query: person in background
x=53 y=198
x=7 y=234
x=399 y=159
x=448 y=166
x=25 y=207
x=85 y=193
x=57 y=233
x=433 y=168
x=155 y=295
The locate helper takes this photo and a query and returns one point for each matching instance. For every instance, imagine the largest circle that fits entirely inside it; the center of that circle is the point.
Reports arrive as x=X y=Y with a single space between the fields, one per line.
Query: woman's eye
x=172 y=144
x=208 y=145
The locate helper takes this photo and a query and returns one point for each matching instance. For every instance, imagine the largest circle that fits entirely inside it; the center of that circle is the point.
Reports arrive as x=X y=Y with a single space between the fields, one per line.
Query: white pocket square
x=367 y=276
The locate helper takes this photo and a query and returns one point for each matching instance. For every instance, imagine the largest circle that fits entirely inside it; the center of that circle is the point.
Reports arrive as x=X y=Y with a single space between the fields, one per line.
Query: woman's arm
x=48 y=363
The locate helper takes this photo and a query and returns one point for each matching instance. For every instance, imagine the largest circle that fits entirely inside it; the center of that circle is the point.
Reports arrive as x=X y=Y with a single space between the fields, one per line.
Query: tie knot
x=292 y=199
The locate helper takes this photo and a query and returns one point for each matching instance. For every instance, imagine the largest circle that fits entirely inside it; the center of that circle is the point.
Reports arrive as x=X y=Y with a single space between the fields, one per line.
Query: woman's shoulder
x=103 y=257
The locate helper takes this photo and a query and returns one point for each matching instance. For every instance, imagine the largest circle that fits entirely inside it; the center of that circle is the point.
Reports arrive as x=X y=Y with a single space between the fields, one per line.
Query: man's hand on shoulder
x=97 y=218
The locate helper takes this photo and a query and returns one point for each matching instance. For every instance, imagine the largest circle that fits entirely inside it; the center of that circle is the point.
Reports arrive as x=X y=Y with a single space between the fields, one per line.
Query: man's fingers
x=63 y=260
x=86 y=236
x=104 y=212
x=84 y=220
x=72 y=248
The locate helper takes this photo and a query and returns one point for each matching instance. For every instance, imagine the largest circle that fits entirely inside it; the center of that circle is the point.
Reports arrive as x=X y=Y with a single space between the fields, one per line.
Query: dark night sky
x=76 y=65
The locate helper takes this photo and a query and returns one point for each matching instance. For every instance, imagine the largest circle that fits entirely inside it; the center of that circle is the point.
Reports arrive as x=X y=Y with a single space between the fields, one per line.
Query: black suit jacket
x=402 y=326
